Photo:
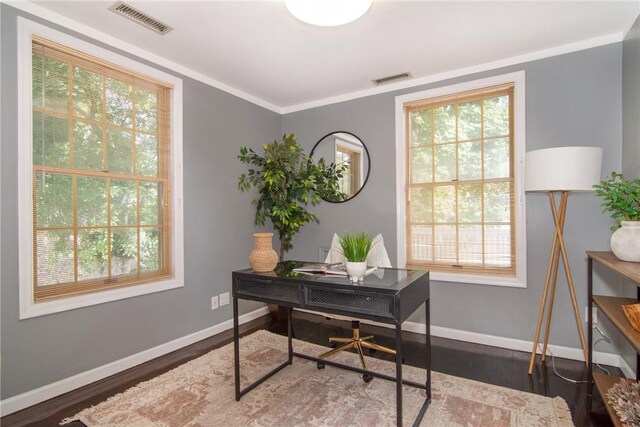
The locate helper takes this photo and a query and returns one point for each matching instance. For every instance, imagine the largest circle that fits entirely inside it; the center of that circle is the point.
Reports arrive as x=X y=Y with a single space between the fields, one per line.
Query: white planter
x=356 y=270
x=625 y=241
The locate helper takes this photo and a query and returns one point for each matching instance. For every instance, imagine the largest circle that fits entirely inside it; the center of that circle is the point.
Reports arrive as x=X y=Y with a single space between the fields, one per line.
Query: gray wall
x=631 y=102
x=573 y=99
x=630 y=134
x=218 y=222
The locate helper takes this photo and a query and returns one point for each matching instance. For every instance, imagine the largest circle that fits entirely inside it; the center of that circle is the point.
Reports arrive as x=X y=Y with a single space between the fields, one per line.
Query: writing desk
x=389 y=296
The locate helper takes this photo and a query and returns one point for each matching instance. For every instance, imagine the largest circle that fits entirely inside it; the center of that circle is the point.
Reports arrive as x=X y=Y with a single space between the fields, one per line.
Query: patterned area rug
x=201 y=393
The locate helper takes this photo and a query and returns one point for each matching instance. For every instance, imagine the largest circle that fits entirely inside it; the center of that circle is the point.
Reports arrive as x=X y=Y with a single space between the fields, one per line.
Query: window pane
x=54 y=201
x=87 y=94
x=146 y=110
x=445 y=243
x=124 y=250
x=92 y=201
x=496 y=158
x=470 y=244
x=87 y=146
x=445 y=123
x=50 y=84
x=470 y=203
x=422 y=127
x=469 y=119
x=497 y=245
x=50 y=140
x=150 y=203
x=146 y=155
x=54 y=262
x=445 y=203
x=150 y=242
x=421 y=204
x=37 y=80
x=120 y=151
x=119 y=105
x=92 y=254
x=124 y=207
x=469 y=160
x=445 y=162
x=421 y=165
x=422 y=243
x=497 y=204
x=496 y=116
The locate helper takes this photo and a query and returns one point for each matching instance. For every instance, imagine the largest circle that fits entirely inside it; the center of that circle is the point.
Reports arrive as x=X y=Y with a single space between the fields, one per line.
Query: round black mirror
x=344 y=148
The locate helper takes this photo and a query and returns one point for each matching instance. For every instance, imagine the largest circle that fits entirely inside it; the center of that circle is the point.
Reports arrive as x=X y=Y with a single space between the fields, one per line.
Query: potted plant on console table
x=622 y=198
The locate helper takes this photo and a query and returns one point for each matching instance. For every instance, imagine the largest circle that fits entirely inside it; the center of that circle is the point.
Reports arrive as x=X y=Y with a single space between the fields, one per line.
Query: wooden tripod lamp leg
x=556 y=264
x=572 y=291
x=543 y=302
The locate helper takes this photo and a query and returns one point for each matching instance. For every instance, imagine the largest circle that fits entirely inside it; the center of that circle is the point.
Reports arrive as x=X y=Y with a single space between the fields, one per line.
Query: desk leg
x=427 y=312
x=236 y=346
x=590 y=333
x=399 y=375
x=290 y=334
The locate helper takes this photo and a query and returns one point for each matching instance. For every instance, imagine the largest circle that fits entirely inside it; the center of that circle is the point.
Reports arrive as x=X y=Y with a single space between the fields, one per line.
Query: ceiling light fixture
x=328 y=13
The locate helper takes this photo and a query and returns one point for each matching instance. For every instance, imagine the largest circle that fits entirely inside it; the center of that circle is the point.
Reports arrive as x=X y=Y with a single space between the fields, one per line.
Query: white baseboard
x=626 y=369
x=40 y=394
x=610 y=359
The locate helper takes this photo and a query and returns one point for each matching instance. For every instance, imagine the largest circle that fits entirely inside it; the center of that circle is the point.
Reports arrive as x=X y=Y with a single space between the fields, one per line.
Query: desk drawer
x=363 y=303
x=266 y=289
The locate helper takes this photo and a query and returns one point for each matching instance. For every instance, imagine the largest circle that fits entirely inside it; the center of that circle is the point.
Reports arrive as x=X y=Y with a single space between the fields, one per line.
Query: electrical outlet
x=214 y=303
x=224 y=299
x=594 y=315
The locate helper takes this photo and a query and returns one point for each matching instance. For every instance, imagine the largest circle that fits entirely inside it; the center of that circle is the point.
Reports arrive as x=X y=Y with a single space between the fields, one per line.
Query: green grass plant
x=355 y=246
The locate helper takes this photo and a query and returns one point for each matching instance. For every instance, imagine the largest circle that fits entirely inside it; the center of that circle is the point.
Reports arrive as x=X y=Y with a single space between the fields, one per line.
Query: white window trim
x=28 y=307
x=520 y=280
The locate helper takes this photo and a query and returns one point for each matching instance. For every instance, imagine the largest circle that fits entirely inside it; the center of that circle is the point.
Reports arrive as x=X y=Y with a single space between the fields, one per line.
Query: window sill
x=34 y=309
x=511 y=282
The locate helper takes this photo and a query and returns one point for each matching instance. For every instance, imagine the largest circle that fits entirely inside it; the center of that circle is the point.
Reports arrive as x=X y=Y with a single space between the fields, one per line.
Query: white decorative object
x=625 y=241
x=356 y=270
x=328 y=13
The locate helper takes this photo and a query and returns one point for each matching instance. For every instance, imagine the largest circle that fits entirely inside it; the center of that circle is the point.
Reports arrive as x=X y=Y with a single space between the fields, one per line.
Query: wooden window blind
x=101 y=174
x=460 y=182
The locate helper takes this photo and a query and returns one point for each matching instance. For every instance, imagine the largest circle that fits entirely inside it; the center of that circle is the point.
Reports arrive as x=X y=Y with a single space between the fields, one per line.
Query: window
x=460 y=191
x=102 y=178
x=351 y=155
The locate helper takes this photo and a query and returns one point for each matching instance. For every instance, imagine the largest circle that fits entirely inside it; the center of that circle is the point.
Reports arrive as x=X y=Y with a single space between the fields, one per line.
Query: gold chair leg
x=375 y=346
x=340 y=339
x=367 y=338
x=346 y=346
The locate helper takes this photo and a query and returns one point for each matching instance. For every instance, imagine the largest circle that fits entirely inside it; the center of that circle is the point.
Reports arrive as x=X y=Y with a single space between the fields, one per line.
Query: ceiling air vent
x=121 y=8
x=390 y=79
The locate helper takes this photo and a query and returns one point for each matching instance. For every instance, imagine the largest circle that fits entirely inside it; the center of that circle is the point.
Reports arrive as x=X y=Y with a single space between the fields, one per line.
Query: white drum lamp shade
x=328 y=13
x=563 y=169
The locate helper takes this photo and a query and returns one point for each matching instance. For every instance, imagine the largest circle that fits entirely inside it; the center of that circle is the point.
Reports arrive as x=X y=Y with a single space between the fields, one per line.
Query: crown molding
x=73 y=25
x=487 y=66
x=55 y=18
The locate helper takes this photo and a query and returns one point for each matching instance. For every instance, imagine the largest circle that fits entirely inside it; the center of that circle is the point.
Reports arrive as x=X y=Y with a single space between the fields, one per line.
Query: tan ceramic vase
x=263 y=258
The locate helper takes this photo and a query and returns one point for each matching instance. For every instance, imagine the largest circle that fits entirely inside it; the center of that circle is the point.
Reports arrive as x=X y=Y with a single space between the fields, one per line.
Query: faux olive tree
x=287 y=181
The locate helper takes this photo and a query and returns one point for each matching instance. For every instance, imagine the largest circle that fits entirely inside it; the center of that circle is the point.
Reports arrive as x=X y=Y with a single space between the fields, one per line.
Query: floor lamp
x=560 y=170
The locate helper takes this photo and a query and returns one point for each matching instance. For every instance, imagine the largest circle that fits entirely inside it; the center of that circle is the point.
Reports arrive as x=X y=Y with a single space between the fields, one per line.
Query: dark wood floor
x=507 y=368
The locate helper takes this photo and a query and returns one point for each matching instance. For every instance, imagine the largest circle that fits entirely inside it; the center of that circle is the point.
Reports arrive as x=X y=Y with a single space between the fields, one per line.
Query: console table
x=389 y=296
x=611 y=307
